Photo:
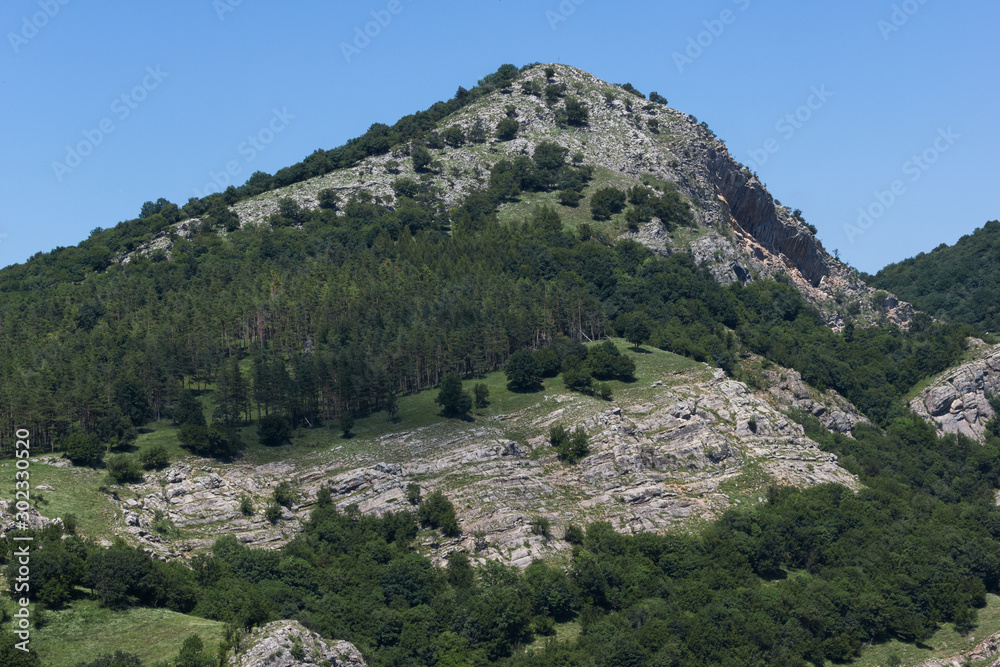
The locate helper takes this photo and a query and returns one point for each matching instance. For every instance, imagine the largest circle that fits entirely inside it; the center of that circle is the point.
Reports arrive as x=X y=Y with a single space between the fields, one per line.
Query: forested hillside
x=956 y=283
x=316 y=316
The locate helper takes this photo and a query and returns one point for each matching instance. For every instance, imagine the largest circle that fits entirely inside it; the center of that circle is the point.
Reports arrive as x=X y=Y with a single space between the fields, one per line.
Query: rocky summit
x=741 y=232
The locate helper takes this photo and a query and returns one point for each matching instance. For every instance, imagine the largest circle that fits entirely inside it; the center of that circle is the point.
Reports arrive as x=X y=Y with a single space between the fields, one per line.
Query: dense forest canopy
x=956 y=283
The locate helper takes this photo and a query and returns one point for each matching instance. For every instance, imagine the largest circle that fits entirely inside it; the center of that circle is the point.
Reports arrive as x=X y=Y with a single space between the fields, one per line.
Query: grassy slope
x=83 y=631
x=943 y=644
x=74 y=491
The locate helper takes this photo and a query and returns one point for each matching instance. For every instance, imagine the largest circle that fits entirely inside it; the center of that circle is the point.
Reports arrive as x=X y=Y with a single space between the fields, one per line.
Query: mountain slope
x=754 y=488
x=956 y=283
x=740 y=235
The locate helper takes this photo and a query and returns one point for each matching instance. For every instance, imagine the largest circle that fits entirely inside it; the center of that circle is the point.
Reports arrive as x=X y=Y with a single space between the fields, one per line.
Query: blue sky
x=161 y=96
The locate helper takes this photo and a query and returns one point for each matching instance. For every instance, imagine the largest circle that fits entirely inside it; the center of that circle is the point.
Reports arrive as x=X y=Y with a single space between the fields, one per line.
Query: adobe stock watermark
x=565 y=9
x=714 y=28
x=900 y=16
x=31 y=25
x=22 y=554
x=789 y=124
x=372 y=29
x=121 y=107
x=249 y=148
x=223 y=7
x=914 y=168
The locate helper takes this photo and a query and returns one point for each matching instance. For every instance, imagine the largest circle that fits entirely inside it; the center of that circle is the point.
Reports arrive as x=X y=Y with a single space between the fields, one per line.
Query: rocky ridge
x=742 y=234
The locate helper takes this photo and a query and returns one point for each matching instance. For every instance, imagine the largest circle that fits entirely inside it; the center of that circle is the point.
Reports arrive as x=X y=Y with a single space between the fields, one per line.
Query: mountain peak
x=740 y=233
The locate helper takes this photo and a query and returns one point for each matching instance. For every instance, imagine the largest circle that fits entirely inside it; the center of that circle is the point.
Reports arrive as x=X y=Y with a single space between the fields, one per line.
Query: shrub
x=606 y=362
x=284 y=495
x=656 y=97
x=606 y=202
x=507 y=129
x=570 y=198
x=453 y=401
x=550 y=72
x=225 y=218
x=576 y=112
x=453 y=136
x=346 y=424
x=603 y=391
x=540 y=526
x=421 y=158
x=477 y=133
x=532 y=87
x=554 y=91
x=329 y=199
x=570 y=447
x=413 y=493
x=273 y=512
x=629 y=88
x=481 y=395
x=210 y=441
x=154 y=457
x=84 y=449
x=557 y=435
x=574 y=447
x=548 y=362
x=124 y=469
x=577 y=379
x=274 y=430
x=246 y=505
x=436 y=511
x=523 y=372
x=574 y=534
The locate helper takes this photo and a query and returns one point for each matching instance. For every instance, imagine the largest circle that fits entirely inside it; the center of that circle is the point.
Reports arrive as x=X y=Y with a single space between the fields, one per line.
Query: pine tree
x=453 y=401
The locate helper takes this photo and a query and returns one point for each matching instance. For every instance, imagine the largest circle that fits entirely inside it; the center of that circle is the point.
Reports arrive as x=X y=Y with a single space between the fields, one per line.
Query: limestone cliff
x=958 y=400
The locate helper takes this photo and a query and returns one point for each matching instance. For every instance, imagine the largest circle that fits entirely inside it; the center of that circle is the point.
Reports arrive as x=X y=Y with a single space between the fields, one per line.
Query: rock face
x=289 y=644
x=834 y=411
x=8 y=511
x=680 y=449
x=957 y=401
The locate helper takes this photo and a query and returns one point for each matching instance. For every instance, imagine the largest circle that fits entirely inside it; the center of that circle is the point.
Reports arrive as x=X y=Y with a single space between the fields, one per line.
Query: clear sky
x=110 y=104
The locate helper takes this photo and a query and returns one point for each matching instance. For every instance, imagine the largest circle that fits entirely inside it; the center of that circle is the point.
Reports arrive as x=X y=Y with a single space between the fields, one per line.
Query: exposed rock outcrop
x=684 y=448
x=289 y=644
x=957 y=401
x=833 y=410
